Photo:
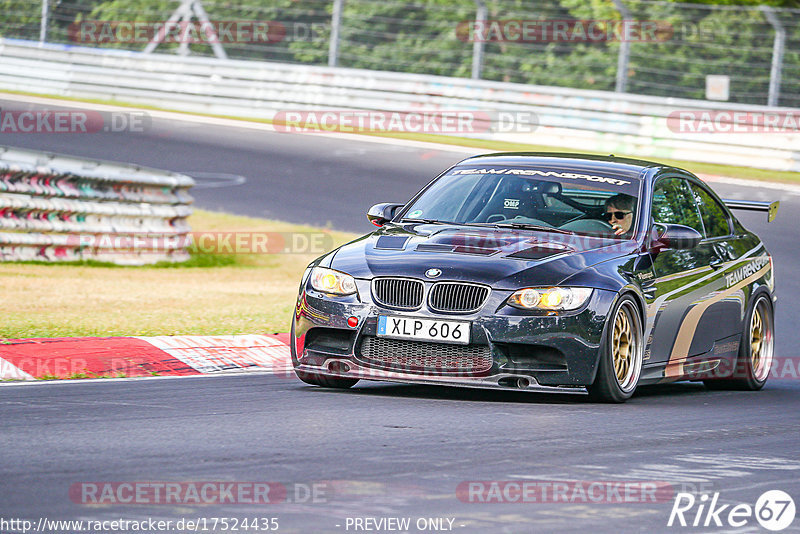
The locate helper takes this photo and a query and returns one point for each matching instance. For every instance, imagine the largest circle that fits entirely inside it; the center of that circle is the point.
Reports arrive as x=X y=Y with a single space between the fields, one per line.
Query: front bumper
x=529 y=350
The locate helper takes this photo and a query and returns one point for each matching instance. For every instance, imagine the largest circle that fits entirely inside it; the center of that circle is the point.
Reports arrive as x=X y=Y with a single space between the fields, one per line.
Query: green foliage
x=406 y=37
x=730 y=37
x=293 y=15
x=21 y=18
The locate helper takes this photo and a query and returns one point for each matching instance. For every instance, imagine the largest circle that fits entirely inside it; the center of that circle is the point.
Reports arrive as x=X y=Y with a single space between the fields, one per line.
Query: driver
x=619 y=213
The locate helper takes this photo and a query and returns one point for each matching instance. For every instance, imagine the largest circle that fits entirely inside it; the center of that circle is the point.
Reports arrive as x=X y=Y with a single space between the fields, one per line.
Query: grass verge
x=211 y=294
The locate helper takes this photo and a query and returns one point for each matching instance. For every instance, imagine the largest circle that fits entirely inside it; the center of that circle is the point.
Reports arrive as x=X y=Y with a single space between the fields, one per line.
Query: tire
x=756 y=350
x=316 y=379
x=620 y=364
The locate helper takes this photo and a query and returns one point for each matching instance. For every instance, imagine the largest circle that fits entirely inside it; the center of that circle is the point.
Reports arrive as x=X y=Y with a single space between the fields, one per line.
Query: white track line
x=236 y=123
x=266 y=127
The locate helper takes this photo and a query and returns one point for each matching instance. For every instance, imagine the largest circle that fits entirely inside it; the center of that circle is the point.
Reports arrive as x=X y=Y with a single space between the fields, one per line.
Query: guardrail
x=59 y=208
x=579 y=119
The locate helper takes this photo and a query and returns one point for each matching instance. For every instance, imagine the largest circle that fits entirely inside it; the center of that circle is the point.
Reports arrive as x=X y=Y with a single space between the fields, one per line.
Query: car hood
x=502 y=258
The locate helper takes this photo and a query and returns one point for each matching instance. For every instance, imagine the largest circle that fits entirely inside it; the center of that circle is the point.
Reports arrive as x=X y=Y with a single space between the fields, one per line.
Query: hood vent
x=391 y=242
x=536 y=253
x=455 y=249
x=433 y=247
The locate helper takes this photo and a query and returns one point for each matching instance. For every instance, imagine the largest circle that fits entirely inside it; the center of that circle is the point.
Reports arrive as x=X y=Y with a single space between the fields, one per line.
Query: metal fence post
x=624 y=51
x=184 y=14
x=778 y=46
x=336 y=22
x=202 y=16
x=478 y=44
x=45 y=15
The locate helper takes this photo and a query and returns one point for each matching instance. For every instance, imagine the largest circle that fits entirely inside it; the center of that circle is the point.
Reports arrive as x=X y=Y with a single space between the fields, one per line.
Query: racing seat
x=514 y=199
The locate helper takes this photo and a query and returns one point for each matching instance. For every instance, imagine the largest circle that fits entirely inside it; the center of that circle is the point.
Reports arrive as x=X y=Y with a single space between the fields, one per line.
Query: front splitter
x=499 y=381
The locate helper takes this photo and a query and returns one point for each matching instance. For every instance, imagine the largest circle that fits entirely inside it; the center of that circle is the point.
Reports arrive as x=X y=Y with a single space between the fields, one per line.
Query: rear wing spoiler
x=755 y=205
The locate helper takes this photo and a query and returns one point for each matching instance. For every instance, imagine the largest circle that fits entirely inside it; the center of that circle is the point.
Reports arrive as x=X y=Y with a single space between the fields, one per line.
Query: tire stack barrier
x=62 y=208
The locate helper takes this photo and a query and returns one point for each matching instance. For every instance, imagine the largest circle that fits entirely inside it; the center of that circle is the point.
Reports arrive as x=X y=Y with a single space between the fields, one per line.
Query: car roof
x=624 y=167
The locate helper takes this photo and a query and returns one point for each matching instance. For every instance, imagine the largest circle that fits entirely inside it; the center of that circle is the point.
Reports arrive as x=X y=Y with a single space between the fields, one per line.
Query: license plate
x=423 y=329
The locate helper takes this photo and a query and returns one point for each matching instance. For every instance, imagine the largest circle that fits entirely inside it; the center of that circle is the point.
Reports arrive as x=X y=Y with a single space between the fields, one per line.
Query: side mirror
x=676 y=236
x=380 y=214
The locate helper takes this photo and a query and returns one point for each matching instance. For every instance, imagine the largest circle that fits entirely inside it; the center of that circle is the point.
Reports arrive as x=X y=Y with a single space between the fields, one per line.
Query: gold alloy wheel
x=625 y=347
x=760 y=341
x=756 y=337
x=622 y=346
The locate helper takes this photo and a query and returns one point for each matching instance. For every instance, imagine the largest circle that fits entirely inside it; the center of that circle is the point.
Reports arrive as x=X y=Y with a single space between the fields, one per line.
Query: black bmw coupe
x=539 y=271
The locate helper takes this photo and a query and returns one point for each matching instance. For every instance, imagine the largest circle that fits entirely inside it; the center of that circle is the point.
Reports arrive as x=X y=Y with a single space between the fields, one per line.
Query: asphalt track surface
x=384 y=450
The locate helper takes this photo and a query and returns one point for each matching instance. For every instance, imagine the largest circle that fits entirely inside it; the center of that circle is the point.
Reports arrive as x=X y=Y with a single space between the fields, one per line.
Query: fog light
x=338 y=367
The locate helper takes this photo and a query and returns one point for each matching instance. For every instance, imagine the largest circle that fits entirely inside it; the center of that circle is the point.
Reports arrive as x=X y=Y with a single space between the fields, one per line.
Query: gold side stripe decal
x=653 y=308
x=680 y=351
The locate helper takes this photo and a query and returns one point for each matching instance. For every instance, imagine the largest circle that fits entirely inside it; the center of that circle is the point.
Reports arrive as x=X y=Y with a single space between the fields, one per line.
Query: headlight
x=550 y=298
x=333 y=282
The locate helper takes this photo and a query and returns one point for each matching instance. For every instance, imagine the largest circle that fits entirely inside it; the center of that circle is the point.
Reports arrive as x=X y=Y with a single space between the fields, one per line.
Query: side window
x=673 y=203
x=715 y=219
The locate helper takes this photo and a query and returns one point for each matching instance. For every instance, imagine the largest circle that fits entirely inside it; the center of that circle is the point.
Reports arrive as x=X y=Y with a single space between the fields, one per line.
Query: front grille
x=457 y=297
x=422 y=357
x=400 y=293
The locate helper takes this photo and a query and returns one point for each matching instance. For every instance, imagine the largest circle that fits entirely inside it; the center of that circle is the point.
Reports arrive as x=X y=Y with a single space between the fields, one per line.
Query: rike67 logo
x=774 y=510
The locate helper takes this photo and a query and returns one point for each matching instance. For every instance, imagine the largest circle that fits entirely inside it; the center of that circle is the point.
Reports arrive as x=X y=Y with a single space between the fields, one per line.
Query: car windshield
x=556 y=200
